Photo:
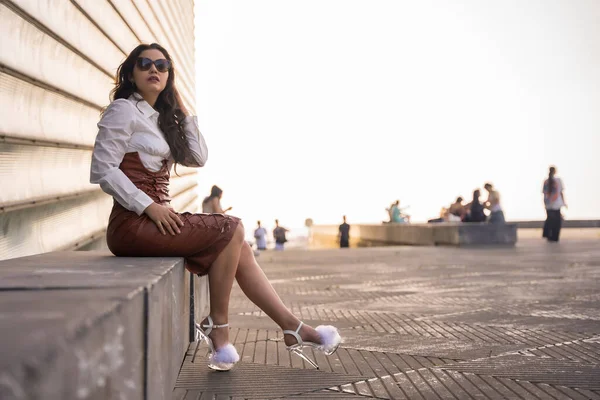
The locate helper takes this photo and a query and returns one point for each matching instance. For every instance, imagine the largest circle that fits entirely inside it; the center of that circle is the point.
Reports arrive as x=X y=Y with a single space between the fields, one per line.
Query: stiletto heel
x=330 y=341
x=222 y=359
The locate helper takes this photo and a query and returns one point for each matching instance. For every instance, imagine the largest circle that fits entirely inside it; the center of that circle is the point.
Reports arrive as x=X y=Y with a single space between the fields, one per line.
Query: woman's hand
x=165 y=218
x=180 y=102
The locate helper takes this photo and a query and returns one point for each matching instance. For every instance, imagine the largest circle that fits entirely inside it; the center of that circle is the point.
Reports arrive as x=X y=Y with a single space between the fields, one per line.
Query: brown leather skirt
x=202 y=237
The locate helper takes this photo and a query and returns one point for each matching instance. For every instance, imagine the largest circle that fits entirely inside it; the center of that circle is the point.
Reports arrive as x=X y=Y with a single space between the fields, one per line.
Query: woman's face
x=151 y=81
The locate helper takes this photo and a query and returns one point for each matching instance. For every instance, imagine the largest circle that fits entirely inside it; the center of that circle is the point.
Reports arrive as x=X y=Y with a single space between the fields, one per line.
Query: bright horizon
x=318 y=109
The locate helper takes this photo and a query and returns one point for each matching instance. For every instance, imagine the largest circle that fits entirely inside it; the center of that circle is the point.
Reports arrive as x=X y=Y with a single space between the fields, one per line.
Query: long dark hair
x=215 y=191
x=551 y=183
x=170 y=119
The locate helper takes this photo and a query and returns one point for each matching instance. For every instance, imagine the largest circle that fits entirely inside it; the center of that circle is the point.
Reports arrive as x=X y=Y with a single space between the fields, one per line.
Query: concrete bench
x=474 y=234
x=454 y=234
x=90 y=325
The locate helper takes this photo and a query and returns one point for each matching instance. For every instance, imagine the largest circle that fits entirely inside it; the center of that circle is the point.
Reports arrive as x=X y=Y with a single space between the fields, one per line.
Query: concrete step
x=91 y=325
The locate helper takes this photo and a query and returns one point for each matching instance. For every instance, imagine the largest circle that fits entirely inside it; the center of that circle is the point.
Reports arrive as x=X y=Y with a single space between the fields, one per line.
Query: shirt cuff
x=141 y=202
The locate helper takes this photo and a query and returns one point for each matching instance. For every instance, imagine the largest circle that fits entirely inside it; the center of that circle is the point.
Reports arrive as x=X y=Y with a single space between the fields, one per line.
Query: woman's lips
x=154 y=79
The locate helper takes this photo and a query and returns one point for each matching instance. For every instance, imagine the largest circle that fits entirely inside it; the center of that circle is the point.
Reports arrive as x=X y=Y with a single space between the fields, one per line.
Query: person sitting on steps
x=141 y=134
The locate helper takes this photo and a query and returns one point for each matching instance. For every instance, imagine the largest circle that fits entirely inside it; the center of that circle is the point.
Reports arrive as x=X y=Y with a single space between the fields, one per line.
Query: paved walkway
x=423 y=323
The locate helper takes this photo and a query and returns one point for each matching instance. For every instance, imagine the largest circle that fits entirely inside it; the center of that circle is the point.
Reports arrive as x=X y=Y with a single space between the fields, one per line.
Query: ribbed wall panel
x=110 y=22
x=182 y=183
x=184 y=202
x=186 y=24
x=30 y=112
x=57 y=65
x=41 y=172
x=30 y=51
x=51 y=227
x=79 y=32
x=181 y=170
x=136 y=23
x=54 y=172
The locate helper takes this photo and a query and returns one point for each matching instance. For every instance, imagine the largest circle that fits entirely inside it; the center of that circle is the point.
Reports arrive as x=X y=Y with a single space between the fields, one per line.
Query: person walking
x=141 y=134
x=554 y=201
x=260 y=235
x=279 y=236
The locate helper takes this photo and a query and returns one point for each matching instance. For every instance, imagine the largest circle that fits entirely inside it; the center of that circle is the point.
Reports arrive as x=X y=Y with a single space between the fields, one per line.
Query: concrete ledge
x=375 y=235
x=568 y=223
x=475 y=234
x=91 y=325
x=455 y=234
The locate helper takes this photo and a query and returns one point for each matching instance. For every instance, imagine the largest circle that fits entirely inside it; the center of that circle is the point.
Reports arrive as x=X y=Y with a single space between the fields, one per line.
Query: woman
x=554 y=200
x=475 y=209
x=142 y=133
x=212 y=203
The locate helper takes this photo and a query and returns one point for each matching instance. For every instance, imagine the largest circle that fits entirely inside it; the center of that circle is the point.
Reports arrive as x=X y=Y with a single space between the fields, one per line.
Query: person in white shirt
x=554 y=200
x=142 y=133
x=260 y=234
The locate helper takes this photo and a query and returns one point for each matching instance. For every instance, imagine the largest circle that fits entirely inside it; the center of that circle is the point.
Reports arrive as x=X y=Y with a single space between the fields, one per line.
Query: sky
x=318 y=109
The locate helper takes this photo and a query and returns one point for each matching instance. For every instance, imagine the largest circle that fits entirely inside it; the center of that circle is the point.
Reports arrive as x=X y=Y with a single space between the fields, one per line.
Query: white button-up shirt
x=131 y=125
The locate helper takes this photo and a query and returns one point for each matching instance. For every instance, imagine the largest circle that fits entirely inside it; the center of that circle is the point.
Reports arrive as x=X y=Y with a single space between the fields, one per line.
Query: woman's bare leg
x=220 y=278
x=259 y=290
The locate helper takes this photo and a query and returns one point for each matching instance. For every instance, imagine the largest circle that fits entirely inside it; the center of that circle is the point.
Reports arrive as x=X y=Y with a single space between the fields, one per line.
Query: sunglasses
x=144 y=64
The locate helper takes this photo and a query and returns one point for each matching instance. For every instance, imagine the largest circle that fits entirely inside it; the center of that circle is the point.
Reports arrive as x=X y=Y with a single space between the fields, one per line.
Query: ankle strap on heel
x=210 y=326
x=295 y=333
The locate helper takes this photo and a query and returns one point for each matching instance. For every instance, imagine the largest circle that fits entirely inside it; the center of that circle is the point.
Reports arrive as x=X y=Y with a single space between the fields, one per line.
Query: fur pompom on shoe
x=330 y=338
x=225 y=355
x=224 y=358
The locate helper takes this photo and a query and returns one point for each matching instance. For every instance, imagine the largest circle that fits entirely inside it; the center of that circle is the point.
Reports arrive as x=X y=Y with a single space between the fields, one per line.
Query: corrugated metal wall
x=57 y=64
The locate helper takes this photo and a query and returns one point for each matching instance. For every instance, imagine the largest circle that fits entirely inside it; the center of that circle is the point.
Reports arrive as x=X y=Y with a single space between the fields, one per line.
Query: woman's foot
x=219 y=337
x=323 y=338
x=307 y=333
x=223 y=356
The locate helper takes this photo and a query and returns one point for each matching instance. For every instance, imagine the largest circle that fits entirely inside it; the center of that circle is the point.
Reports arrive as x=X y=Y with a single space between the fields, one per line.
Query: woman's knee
x=239 y=233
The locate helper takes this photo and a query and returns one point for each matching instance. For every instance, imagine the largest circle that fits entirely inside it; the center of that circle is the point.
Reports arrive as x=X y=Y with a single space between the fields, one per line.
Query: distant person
x=344 y=234
x=279 y=236
x=554 y=200
x=493 y=204
x=260 y=234
x=212 y=203
x=457 y=210
x=475 y=209
x=442 y=218
x=397 y=215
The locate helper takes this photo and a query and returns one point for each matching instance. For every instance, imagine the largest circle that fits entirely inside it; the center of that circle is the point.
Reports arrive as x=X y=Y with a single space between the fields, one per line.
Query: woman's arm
x=216 y=206
x=114 y=132
x=195 y=139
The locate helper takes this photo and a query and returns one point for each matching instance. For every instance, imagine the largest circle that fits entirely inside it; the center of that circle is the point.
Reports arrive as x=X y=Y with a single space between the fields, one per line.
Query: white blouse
x=131 y=125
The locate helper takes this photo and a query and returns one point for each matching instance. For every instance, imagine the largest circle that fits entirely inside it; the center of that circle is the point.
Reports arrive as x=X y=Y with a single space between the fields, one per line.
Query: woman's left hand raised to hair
x=180 y=102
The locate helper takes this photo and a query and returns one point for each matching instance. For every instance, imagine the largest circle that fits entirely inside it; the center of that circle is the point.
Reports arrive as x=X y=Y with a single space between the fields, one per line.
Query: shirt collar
x=143 y=105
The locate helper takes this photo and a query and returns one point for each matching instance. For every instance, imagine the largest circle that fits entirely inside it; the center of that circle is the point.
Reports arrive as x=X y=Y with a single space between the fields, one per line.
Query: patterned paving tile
x=421 y=323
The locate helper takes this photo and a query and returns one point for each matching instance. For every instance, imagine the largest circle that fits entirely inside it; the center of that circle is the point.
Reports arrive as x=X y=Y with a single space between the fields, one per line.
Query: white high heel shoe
x=222 y=359
x=330 y=341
